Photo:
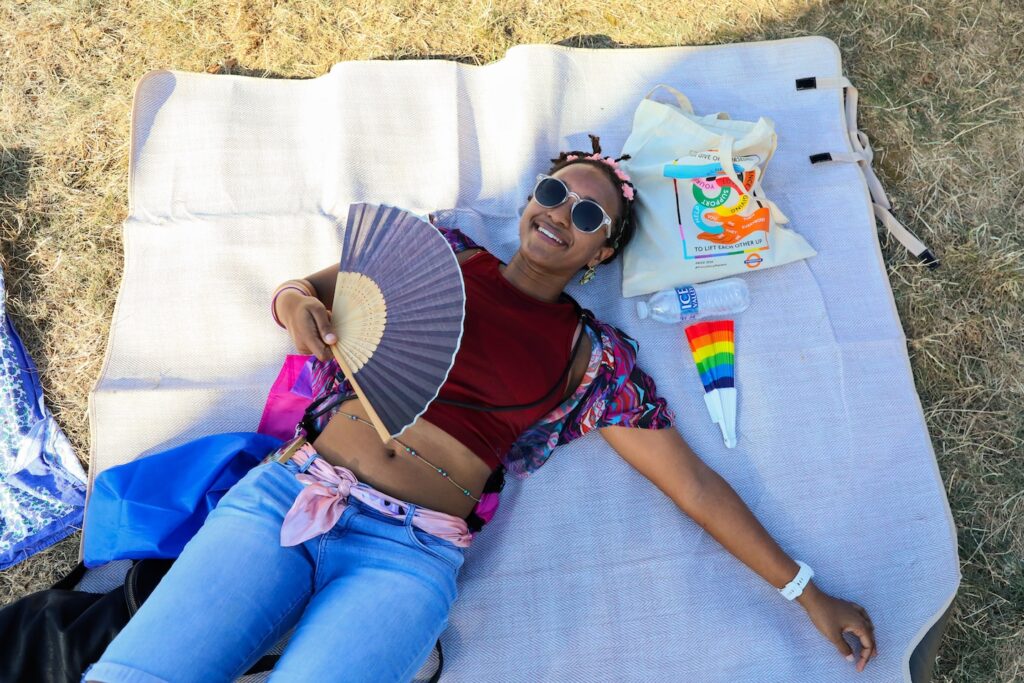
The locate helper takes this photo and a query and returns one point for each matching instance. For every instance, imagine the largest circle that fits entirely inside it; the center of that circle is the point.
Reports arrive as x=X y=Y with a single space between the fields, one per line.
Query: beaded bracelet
x=283 y=288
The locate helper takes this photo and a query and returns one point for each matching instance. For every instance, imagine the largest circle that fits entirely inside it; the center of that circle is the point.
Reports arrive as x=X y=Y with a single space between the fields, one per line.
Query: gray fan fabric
x=588 y=572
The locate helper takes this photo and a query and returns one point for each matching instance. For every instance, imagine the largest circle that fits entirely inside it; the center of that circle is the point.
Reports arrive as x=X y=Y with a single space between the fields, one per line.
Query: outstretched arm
x=667 y=461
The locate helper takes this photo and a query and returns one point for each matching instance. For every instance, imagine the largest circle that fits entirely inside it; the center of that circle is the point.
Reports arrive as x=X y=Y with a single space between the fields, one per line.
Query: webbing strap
x=863 y=155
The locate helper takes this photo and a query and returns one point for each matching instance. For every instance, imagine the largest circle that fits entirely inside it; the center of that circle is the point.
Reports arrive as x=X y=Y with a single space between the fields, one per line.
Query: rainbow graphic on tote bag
x=716 y=217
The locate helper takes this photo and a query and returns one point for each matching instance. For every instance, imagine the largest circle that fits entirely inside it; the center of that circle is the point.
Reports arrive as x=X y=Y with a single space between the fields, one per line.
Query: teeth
x=549 y=234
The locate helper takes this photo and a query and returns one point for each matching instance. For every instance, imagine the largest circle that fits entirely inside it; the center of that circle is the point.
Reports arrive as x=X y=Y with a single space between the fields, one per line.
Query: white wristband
x=794 y=588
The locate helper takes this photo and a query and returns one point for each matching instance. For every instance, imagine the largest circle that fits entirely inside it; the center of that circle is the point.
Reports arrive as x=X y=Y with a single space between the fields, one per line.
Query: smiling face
x=547 y=237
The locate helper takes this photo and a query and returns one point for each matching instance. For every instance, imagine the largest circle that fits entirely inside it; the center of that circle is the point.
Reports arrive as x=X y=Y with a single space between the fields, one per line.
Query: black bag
x=52 y=636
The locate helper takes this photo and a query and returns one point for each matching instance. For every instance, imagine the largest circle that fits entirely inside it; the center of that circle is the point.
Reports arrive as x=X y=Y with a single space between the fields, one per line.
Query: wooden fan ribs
x=360 y=316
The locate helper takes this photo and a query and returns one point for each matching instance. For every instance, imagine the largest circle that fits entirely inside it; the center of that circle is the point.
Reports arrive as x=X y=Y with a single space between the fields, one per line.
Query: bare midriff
x=389 y=468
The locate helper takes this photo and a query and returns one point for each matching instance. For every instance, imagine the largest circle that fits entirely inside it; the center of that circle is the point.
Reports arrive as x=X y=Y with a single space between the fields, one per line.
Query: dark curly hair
x=625 y=226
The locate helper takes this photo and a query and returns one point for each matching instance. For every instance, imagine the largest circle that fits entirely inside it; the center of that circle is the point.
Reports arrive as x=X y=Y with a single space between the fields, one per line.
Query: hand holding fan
x=398 y=309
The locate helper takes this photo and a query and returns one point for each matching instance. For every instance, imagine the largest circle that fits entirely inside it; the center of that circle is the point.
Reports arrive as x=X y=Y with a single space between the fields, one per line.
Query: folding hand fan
x=398 y=309
x=713 y=351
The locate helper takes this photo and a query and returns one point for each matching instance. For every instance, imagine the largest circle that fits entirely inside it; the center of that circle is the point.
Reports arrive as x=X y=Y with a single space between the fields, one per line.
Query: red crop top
x=513 y=349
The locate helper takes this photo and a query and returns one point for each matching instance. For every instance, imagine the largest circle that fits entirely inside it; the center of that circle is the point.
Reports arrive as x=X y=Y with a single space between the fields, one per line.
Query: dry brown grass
x=940 y=95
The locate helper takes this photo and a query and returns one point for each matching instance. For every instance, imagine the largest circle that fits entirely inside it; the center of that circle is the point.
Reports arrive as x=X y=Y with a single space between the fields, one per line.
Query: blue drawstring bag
x=152 y=506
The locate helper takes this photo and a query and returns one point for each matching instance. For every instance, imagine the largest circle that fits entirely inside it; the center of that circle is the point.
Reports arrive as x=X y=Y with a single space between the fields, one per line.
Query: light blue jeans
x=368 y=599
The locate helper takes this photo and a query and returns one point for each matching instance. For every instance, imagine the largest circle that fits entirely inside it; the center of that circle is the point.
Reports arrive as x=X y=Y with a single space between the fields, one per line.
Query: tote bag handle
x=684 y=102
x=725 y=154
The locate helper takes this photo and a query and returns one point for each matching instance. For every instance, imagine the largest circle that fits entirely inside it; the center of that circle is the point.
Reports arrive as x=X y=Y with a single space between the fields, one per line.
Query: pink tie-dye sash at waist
x=319 y=505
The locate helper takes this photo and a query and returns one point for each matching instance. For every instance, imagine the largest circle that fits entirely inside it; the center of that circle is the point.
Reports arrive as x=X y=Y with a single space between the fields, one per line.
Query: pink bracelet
x=273 y=302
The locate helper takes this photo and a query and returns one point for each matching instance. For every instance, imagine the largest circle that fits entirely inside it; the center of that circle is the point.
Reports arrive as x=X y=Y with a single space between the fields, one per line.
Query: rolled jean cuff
x=109 y=672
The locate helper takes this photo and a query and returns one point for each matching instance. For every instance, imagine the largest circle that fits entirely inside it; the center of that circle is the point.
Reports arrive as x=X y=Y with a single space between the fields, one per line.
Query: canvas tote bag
x=701 y=213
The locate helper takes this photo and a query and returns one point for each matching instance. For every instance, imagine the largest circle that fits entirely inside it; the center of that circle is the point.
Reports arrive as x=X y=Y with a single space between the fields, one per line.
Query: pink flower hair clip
x=627 y=190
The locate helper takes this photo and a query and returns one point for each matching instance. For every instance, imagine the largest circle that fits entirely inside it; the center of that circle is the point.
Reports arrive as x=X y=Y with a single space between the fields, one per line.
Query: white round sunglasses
x=587 y=215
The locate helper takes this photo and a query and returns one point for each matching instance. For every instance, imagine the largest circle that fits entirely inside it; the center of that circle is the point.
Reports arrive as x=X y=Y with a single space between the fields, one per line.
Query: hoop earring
x=587 y=276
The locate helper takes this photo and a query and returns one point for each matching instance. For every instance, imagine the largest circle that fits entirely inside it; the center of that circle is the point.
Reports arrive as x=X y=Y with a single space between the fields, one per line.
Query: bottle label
x=687 y=301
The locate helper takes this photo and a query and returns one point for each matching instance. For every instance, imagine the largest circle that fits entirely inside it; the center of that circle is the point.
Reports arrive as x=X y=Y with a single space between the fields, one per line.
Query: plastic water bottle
x=716 y=299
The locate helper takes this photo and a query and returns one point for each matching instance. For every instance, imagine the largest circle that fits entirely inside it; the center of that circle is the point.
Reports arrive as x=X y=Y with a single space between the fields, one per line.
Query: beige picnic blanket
x=588 y=572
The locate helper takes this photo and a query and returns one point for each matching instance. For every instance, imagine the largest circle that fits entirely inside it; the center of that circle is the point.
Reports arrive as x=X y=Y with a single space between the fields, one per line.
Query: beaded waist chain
x=318 y=413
